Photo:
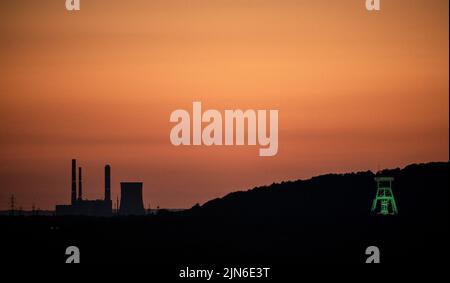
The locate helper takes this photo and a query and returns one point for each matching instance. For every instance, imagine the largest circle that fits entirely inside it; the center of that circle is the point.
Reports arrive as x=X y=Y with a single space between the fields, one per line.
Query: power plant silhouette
x=131 y=198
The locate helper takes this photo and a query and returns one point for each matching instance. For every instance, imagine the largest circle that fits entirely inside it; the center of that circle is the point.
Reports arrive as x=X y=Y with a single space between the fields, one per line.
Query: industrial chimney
x=80 y=187
x=107 y=183
x=131 y=199
x=74 y=182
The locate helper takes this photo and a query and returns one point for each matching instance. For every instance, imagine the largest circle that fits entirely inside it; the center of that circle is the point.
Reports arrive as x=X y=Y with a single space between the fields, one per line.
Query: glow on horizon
x=355 y=91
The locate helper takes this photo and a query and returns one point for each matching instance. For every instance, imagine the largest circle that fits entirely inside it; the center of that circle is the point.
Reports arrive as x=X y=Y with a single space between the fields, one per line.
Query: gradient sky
x=355 y=91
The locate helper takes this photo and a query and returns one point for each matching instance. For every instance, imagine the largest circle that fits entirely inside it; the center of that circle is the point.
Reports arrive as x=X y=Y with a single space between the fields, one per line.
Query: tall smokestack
x=74 y=182
x=108 y=183
x=80 y=187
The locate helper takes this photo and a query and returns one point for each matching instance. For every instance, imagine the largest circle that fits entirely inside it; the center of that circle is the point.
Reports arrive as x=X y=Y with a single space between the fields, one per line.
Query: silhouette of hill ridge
x=338 y=195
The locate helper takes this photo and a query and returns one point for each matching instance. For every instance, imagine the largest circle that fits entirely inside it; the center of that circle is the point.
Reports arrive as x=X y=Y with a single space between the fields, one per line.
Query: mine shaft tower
x=384 y=199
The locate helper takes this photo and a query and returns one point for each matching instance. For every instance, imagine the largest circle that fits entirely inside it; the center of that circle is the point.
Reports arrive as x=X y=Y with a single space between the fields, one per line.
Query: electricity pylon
x=13 y=205
x=384 y=198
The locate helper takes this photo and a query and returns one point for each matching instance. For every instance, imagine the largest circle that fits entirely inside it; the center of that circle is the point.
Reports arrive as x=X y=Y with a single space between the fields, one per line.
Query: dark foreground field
x=326 y=219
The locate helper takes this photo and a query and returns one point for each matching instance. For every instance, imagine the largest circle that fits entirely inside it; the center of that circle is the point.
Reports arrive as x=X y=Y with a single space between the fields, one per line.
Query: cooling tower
x=131 y=199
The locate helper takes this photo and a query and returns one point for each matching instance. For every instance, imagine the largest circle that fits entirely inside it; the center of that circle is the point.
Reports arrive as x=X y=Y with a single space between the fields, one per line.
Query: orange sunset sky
x=355 y=90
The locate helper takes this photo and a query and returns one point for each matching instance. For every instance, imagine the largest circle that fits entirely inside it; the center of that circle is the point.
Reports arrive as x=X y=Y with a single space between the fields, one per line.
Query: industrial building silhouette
x=131 y=198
